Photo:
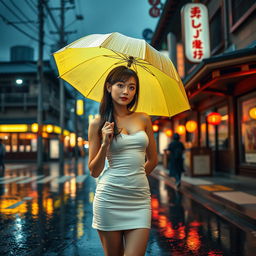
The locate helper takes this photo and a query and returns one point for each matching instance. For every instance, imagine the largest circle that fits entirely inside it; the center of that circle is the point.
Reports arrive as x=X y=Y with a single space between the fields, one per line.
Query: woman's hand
x=107 y=133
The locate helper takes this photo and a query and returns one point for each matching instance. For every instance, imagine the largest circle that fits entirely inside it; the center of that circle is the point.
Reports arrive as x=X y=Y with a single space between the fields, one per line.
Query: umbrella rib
x=164 y=96
x=99 y=79
x=79 y=65
x=145 y=68
x=114 y=57
x=123 y=56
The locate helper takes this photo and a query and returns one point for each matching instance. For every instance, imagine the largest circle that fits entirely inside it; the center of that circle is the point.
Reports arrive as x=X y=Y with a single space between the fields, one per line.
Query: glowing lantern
x=181 y=129
x=79 y=107
x=72 y=139
x=49 y=128
x=191 y=126
x=214 y=118
x=34 y=127
x=168 y=133
x=155 y=127
x=252 y=113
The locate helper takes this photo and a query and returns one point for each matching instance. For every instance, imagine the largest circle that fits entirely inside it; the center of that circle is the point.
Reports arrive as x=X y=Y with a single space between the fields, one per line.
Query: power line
x=20 y=19
x=31 y=7
x=24 y=15
x=52 y=17
x=20 y=30
x=49 y=25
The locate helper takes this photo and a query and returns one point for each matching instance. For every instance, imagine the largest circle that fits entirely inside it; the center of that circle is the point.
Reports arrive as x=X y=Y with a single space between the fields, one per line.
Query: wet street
x=51 y=215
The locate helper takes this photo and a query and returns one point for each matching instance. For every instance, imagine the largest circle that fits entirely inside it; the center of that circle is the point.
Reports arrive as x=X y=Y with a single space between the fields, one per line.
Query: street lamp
x=19 y=81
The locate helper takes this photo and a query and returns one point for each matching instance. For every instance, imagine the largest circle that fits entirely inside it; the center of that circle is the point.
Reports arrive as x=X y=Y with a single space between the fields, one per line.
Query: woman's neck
x=120 y=112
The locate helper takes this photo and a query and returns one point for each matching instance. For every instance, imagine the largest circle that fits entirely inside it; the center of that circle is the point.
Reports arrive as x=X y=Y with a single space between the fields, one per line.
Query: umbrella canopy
x=86 y=63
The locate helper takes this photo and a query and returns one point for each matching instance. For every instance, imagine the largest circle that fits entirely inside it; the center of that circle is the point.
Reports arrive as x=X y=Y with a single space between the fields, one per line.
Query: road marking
x=46 y=179
x=19 y=203
x=41 y=179
x=63 y=179
x=215 y=187
x=28 y=180
x=13 y=179
x=81 y=178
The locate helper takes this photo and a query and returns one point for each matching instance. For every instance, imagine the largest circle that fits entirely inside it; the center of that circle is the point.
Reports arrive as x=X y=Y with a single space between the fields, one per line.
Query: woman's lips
x=124 y=98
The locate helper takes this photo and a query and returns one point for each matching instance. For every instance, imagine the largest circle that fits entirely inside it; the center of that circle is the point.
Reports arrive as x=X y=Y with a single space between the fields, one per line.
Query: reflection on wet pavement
x=52 y=215
x=180 y=226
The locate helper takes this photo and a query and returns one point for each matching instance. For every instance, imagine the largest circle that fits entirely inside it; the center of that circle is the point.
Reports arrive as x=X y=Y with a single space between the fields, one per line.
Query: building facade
x=223 y=83
x=18 y=112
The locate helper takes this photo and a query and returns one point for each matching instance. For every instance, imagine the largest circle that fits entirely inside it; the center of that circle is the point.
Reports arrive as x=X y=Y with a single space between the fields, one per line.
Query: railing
x=17 y=99
x=24 y=100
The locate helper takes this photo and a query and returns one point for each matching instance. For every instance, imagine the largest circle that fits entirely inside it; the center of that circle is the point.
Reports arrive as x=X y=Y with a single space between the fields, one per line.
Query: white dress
x=122 y=198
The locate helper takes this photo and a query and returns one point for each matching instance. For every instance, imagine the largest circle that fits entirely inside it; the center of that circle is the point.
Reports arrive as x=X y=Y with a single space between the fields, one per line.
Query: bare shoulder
x=144 y=117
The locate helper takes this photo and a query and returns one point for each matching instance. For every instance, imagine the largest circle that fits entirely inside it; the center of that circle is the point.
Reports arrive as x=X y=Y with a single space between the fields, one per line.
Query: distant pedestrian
x=2 y=154
x=175 y=151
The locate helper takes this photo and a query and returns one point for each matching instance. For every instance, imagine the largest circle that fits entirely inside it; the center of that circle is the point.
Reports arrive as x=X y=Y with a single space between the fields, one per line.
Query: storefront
x=21 y=141
x=225 y=85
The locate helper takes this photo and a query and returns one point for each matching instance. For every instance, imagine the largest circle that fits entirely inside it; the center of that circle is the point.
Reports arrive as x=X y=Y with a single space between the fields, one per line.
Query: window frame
x=240 y=100
x=222 y=43
x=243 y=18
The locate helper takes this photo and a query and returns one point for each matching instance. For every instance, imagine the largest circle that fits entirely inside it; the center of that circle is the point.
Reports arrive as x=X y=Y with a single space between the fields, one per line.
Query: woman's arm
x=151 y=151
x=97 y=151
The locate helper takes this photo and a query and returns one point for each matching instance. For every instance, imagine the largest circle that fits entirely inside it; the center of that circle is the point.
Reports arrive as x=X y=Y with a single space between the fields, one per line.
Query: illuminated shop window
x=207 y=129
x=203 y=130
x=223 y=141
x=248 y=130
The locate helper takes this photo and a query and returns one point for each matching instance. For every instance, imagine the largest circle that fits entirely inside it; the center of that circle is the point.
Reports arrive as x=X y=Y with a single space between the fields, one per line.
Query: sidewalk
x=233 y=198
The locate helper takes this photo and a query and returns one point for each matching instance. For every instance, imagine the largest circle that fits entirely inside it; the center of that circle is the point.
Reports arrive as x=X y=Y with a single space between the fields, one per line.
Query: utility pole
x=61 y=43
x=62 y=92
x=40 y=85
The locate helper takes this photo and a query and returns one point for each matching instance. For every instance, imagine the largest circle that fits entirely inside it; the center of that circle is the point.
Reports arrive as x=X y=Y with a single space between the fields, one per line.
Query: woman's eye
x=120 y=85
x=132 y=88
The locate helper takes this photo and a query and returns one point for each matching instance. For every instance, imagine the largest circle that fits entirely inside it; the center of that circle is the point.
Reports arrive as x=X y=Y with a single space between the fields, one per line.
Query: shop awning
x=215 y=71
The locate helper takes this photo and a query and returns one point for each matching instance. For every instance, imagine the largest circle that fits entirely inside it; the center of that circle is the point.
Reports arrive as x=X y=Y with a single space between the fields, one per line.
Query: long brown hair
x=118 y=74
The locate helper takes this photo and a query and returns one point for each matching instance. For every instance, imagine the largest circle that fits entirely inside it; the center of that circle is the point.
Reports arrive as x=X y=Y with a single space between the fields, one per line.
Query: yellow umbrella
x=86 y=63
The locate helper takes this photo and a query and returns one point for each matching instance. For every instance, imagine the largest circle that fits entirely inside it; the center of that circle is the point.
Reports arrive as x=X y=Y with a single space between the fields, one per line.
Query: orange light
x=214 y=118
x=193 y=239
x=180 y=60
x=252 y=113
x=154 y=203
x=181 y=129
x=191 y=126
x=45 y=135
x=168 y=132
x=203 y=127
x=155 y=128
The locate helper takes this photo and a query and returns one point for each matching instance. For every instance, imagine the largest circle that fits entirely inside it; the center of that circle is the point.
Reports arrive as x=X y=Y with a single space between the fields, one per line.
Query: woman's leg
x=136 y=241
x=112 y=242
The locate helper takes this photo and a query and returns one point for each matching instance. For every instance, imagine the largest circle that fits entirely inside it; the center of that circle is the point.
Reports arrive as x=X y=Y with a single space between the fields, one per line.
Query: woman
x=121 y=207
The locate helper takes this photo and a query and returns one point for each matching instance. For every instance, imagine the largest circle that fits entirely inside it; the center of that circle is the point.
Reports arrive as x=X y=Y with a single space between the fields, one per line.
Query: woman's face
x=123 y=92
